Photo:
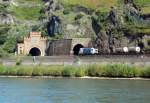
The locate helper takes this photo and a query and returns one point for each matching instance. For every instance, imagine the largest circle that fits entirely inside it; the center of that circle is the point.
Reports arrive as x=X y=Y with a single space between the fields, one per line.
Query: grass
x=112 y=70
x=93 y=4
x=27 y=13
x=146 y=10
x=27 y=9
x=144 y=5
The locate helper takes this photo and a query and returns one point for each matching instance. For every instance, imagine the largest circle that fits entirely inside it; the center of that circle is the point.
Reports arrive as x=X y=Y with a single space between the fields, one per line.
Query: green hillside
x=79 y=18
x=144 y=5
x=103 y=5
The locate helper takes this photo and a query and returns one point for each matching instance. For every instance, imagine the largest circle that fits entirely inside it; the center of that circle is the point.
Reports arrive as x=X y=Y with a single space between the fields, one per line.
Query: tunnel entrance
x=35 y=52
x=76 y=49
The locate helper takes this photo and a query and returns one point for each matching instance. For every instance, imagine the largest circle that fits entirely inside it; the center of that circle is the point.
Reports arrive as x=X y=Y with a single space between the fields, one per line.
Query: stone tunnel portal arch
x=76 y=49
x=35 y=52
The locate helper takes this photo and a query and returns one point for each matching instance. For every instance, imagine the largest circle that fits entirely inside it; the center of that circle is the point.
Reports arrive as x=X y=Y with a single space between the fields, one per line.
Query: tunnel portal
x=35 y=52
x=76 y=49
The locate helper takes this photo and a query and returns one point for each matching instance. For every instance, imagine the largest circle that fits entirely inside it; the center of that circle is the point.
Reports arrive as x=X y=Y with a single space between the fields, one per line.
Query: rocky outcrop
x=6 y=18
x=54 y=26
x=102 y=42
x=51 y=6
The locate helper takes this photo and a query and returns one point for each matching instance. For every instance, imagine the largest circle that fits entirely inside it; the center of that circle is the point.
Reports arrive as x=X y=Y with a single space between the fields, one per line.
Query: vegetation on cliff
x=106 y=21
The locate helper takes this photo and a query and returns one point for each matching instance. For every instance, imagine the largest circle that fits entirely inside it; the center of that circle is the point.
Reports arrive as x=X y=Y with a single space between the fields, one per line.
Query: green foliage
x=79 y=16
x=10 y=45
x=3 y=53
x=10 y=71
x=3 y=8
x=80 y=72
x=27 y=13
x=142 y=2
x=146 y=72
x=3 y=33
x=52 y=71
x=120 y=70
x=10 y=35
x=18 y=61
x=2 y=70
x=102 y=16
x=37 y=71
x=66 y=10
x=103 y=5
x=113 y=70
x=24 y=71
x=69 y=71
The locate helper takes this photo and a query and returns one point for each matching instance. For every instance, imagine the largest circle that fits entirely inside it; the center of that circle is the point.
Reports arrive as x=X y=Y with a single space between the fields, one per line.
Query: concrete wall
x=59 y=47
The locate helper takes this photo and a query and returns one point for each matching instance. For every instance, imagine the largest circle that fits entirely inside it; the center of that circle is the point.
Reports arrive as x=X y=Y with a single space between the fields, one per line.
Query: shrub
x=18 y=61
x=10 y=71
x=80 y=72
x=96 y=70
x=79 y=16
x=2 y=69
x=146 y=72
x=113 y=71
x=24 y=71
x=66 y=11
x=37 y=71
x=69 y=71
x=52 y=71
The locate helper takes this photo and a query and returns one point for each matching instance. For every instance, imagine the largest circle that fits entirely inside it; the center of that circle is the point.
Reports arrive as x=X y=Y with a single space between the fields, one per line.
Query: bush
x=97 y=70
x=37 y=71
x=80 y=72
x=52 y=71
x=10 y=71
x=2 y=69
x=114 y=70
x=18 y=61
x=69 y=71
x=66 y=11
x=146 y=72
x=79 y=16
x=24 y=71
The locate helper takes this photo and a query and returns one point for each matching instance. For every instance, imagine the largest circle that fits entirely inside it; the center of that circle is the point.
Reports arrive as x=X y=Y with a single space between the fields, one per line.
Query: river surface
x=21 y=90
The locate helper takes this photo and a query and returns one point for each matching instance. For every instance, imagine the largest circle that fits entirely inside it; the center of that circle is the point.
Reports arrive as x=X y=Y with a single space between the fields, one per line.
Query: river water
x=21 y=90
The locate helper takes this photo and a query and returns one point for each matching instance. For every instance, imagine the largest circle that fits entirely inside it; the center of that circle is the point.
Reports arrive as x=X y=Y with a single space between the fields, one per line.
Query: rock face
x=51 y=6
x=102 y=42
x=54 y=26
x=109 y=28
x=6 y=19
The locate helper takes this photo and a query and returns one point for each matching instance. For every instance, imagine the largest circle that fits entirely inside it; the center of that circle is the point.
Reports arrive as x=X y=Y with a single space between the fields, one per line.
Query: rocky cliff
x=110 y=23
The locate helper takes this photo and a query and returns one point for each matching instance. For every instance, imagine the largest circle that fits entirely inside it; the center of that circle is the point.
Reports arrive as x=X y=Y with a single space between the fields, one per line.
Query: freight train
x=121 y=50
x=128 y=50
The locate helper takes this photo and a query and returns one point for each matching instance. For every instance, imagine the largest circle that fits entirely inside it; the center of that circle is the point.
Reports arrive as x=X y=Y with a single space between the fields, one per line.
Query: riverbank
x=94 y=70
x=85 y=77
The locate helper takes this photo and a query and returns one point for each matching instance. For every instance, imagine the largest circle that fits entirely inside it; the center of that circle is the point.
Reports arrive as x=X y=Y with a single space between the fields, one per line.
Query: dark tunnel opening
x=35 y=52
x=76 y=49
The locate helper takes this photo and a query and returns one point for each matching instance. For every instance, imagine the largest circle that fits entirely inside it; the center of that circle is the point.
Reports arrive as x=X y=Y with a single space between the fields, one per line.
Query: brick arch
x=33 y=40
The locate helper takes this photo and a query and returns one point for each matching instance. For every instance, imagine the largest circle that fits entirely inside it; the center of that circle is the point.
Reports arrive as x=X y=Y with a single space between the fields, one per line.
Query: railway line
x=69 y=60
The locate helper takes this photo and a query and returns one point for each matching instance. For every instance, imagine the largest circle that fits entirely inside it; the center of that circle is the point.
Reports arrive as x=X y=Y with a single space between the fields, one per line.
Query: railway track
x=60 y=60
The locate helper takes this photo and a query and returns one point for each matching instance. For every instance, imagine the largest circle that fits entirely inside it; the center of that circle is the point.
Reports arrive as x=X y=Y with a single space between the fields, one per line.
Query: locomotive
x=88 y=51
